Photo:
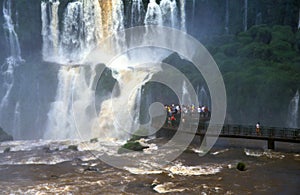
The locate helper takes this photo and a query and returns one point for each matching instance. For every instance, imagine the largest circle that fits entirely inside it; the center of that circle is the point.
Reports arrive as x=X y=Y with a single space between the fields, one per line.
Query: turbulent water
x=30 y=167
x=64 y=162
x=85 y=24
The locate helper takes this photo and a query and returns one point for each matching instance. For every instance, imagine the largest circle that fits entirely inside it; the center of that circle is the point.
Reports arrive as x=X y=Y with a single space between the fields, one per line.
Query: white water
x=293 y=111
x=153 y=14
x=182 y=12
x=203 y=97
x=82 y=30
x=11 y=62
x=186 y=99
x=118 y=23
x=169 y=13
x=137 y=13
x=50 y=29
x=119 y=116
x=60 y=124
x=75 y=42
x=16 y=124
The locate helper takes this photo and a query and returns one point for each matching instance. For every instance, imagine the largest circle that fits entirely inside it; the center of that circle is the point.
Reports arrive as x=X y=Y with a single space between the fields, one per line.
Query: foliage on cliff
x=261 y=70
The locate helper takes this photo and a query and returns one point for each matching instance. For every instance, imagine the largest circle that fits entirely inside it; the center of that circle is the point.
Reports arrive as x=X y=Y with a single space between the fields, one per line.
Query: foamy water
x=52 y=167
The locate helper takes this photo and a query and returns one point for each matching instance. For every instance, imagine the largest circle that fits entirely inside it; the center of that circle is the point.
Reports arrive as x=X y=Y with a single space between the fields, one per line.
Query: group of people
x=175 y=112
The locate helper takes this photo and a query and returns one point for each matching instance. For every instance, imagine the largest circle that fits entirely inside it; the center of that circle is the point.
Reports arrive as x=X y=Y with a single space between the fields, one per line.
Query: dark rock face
x=4 y=136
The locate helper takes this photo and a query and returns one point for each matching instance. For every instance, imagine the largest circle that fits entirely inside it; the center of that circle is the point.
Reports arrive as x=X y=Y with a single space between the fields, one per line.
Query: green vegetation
x=131 y=146
x=73 y=147
x=94 y=140
x=241 y=166
x=261 y=71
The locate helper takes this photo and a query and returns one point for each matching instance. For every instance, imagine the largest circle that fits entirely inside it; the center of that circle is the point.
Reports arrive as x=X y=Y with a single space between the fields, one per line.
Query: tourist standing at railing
x=257 y=128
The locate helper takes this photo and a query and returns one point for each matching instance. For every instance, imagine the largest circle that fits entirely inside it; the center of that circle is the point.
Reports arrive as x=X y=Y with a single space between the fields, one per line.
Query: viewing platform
x=270 y=134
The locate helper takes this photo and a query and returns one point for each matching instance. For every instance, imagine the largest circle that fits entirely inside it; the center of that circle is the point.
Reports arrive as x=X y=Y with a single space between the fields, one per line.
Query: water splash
x=292 y=119
x=85 y=24
x=60 y=124
x=153 y=14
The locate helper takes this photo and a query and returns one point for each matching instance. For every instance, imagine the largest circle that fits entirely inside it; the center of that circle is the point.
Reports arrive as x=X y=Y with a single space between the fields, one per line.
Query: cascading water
x=50 y=29
x=169 y=13
x=203 y=97
x=118 y=23
x=137 y=13
x=153 y=14
x=60 y=123
x=182 y=14
x=293 y=111
x=82 y=31
x=186 y=99
x=11 y=62
x=85 y=24
x=16 y=124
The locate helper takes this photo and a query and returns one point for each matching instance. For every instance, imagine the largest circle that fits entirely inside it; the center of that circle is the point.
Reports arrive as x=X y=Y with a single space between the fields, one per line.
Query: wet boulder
x=4 y=136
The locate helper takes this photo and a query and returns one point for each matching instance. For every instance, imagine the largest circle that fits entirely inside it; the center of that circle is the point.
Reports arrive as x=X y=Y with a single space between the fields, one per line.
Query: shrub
x=131 y=146
x=241 y=166
x=73 y=147
x=94 y=140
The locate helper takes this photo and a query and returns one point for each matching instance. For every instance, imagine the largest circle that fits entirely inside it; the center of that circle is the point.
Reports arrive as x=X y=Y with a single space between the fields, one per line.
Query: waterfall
x=186 y=99
x=153 y=14
x=17 y=120
x=60 y=124
x=245 y=21
x=84 y=25
x=10 y=34
x=118 y=22
x=116 y=113
x=203 y=97
x=169 y=13
x=293 y=111
x=81 y=31
x=299 y=20
x=182 y=13
x=227 y=17
x=137 y=13
x=71 y=45
x=11 y=62
x=50 y=29
x=193 y=11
